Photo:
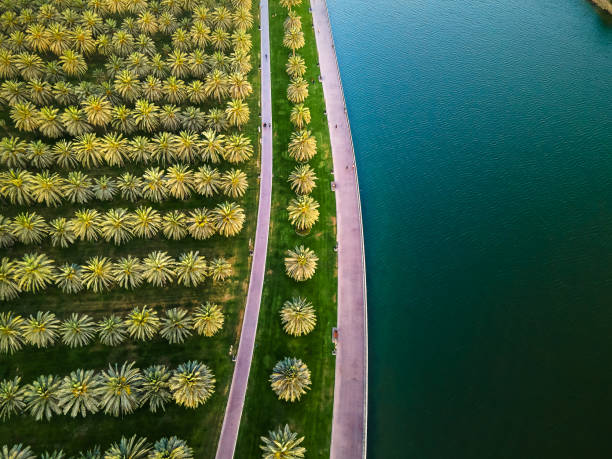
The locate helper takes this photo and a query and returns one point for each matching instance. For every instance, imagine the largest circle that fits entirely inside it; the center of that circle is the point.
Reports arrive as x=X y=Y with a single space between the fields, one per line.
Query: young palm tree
x=147 y=222
x=219 y=269
x=212 y=146
x=40 y=92
x=127 y=272
x=47 y=188
x=41 y=397
x=242 y=41
x=127 y=85
x=234 y=183
x=172 y=447
x=146 y=115
x=130 y=186
x=238 y=148
x=229 y=218
x=298 y=316
x=154 y=185
x=142 y=323
x=78 y=330
x=180 y=39
x=132 y=448
x=201 y=224
x=293 y=21
x=174 y=225
x=159 y=268
x=293 y=39
x=302 y=179
x=302 y=146
x=290 y=379
x=239 y=86
x=78 y=393
x=208 y=319
x=7 y=239
x=29 y=227
x=179 y=181
x=282 y=444
x=99 y=110
x=77 y=188
x=170 y=117
x=297 y=91
x=104 y=188
x=216 y=85
x=191 y=269
x=86 y=224
x=123 y=119
x=289 y=4
x=25 y=116
x=303 y=213
x=300 y=263
x=193 y=118
x=242 y=18
x=219 y=61
x=237 y=113
x=11 y=332
x=73 y=63
x=65 y=154
x=187 y=145
x=82 y=40
x=114 y=149
x=41 y=331
x=155 y=387
x=112 y=331
x=176 y=326
x=30 y=66
x=17 y=452
x=16 y=186
x=69 y=278
x=60 y=231
x=15 y=92
x=97 y=274
x=175 y=90
x=120 y=389
x=178 y=63
x=34 y=272
x=192 y=384
x=300 y=116
x=215 y=120
x=8 y=61
x=220 y=39
x=11 y=398
x=152 y=89
x=117 y=226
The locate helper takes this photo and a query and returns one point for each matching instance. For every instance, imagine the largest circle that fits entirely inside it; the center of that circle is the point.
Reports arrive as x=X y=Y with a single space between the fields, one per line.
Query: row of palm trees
x=179 y=182
x=119 y=226
x=35 y=272
x=116 y=391
x=133 y=447
x=115 y=150
x=44 y=329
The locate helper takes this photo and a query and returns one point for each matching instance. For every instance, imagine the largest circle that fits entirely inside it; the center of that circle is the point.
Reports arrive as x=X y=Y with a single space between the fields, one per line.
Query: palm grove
x=123 y=121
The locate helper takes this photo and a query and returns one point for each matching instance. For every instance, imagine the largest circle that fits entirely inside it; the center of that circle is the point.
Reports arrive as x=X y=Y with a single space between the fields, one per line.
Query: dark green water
x=483 y=130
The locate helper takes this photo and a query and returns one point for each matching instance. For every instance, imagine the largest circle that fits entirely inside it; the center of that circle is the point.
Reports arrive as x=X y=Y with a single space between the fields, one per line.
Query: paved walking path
x=349 y=428
x=235 y=402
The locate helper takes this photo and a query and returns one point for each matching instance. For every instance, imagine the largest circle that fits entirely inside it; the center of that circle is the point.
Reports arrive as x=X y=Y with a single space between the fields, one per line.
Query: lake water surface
x=483 y=131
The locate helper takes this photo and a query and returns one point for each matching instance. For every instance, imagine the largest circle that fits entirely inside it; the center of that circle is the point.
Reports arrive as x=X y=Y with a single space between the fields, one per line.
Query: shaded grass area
x=311 y=417
x=199 y=427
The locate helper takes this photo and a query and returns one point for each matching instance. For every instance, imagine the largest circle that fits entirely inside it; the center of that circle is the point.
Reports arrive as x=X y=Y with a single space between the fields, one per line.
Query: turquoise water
x=483 y=131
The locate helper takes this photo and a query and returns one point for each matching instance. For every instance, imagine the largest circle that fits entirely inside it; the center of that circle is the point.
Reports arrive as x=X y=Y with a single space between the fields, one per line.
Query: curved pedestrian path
x=235 y=401
x=349 y=425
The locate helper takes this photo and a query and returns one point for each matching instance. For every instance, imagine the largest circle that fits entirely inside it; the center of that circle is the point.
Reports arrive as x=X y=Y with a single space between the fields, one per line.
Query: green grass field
x=199 y=427
x=310 y=417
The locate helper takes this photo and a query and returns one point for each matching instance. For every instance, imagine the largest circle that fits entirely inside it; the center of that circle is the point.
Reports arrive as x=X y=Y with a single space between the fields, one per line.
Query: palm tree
x=117 y=226
x=212 y=146
x=159 y=268
x=142 y=323
x=14 y=92
x=152 y=89
x=155 y=387
x=132 y=448
x=298 y=316
x=147 y=22
x=127 y=272
x=237 y=113
x=112 y=330
x=179 y=181
x=8 y=61
x=220 y=39
x=146 y=115
x=201 y=224
x=282 y=444
x=216 y=85
x=219 y=269
x=73 y=63
x=207 y=180
x=65 y=154
x=83 y=41
x=130 y=186
x=86 y=224
x=290 y=379
x=147 y=222
x=302 y=179
x=120 y=389
x=69 y=278
x=11 y=332
x=192 y=384
x=297 y=91
x=300 y=116
x=229 y=218
x=7 y=239
x=208 y=319
x=289 y=4
x=34 y=272
x=77 y=187
x=178 y=63
x=238 y=148
x=16 y=452
x=303 y=213
x=60 y=231
x=187 y=145
x=239 y=86
x=170 y=117
x=98 y=109
x=242 y=17
x=300 y=263
x=293 y=39
x=41 y=331
x=63 y=92
x=127 y=85
x=215 y=119
x=16 y=185
x=25 y=116
x=11 y=398
x=104 y=188
x=30 y=66
x=302 y=146
x=154 y=186
x=221 y=17
x=40 y=92
x=114 y=149
x=176 y=326
x=88 y=150
x=175 y=90
x=196 y=92
x=29 y=227
x=78 y=393
x=41 y=397
x=97 y=274
x=174 y=225
x=180 y=39
x=78 y=330
x=47 y=188
x=234 y=183
x=293 y=21
x=191 y=269
x=171 y=447
x=219 y=61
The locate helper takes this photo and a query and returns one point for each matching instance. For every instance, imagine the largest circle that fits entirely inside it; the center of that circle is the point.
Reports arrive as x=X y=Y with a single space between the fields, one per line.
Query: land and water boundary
x=605 y=5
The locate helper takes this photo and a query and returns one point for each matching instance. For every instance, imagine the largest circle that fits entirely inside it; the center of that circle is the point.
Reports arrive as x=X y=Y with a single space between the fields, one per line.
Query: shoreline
x=349 y=425
x=604 y=5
